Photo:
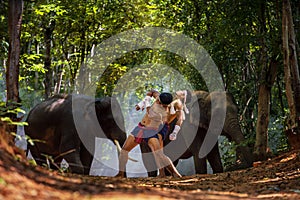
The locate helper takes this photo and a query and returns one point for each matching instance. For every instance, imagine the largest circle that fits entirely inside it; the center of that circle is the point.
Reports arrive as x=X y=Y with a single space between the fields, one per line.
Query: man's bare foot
x=162 y=173
x=161 y=176
x=120 y=175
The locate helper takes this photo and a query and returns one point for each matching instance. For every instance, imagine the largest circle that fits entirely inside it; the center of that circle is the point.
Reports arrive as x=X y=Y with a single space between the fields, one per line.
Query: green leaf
x=2 y=181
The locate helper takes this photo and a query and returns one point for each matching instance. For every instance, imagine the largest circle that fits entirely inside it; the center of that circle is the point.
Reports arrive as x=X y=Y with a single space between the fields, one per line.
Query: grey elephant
x=194 y=130
x=66 y=126
x=231 y=128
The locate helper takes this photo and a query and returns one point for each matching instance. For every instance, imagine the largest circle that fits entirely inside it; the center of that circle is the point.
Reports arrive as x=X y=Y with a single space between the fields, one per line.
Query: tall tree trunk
x=291 y=73
x=264 y=96
x=267 y=79
x=59 y=76
x=15 y=10
x=47 y=63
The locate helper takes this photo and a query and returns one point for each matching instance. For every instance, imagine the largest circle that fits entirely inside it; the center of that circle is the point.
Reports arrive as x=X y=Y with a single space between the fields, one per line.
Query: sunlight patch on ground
x=292 y=175
x=278 y=195
x=291 y=157
x=267 y=180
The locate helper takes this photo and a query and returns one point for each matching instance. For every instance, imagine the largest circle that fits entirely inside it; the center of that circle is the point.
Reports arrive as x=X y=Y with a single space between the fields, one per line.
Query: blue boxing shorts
x=142 y=133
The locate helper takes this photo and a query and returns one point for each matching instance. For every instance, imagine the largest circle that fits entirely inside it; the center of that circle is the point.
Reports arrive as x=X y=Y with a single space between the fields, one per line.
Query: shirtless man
x=151 y=129
x=177 y=110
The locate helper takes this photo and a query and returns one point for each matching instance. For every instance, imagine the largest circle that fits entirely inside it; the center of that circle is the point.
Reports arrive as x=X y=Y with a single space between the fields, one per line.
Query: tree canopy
x=59 y=39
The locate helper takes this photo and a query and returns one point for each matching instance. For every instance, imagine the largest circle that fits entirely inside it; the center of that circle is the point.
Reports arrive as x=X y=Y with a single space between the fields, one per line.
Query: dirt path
x=278 y=178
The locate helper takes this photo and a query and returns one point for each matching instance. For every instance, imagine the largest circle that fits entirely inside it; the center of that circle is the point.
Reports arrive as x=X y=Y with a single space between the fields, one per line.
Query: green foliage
x=12 y=108
x=9 y=108
x=9 y=121
x=230 y=31
x=49 y=161
x=110 y=78
x=277 y=138
x=106 y=151
x=45 y=9
x=227 y=151
x=32 y=162
x=2 y=182
x=3 y=31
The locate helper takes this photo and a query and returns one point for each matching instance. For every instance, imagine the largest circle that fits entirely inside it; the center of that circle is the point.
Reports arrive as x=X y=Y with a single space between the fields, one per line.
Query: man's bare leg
x=161 y=144
x=161 y=159
x=123 y=157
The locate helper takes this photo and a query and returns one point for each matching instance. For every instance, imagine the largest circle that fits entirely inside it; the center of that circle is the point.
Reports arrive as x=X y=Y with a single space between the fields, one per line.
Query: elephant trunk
x=233 y=131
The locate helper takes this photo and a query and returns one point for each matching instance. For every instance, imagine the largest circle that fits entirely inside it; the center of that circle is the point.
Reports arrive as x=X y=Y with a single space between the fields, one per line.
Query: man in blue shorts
x=151 y=129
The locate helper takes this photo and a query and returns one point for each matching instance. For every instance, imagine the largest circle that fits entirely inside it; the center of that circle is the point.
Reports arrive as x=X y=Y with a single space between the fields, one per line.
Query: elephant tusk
x=119 y=150
x=118 y=145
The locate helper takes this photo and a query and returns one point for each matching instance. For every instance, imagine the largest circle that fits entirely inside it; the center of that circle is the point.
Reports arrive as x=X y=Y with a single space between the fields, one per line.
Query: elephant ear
x=202 y=99
x=198 y=109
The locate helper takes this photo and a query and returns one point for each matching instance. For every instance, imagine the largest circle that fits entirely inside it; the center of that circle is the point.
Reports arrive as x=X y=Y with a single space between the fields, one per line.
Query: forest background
x=253 y=44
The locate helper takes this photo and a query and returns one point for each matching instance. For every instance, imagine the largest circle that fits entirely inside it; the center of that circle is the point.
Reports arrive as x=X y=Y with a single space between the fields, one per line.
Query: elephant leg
x=200 y=164
x=86 y=158
x=214 y=159
x=148 y=160
x=43 y=159
x=70 y=150
x=39 y=159
x=74 y=162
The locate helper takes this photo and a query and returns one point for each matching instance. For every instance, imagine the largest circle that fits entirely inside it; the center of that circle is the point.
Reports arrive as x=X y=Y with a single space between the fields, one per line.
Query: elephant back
x=48 y=112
